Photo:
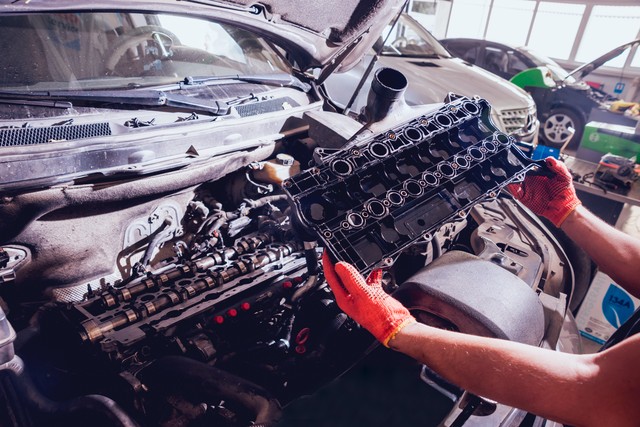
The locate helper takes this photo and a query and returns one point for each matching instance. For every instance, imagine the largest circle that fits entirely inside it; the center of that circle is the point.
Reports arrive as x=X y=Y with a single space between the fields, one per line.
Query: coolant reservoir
x=274 y=171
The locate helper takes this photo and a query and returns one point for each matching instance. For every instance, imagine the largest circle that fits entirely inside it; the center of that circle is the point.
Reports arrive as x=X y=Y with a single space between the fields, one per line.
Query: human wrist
x=396 y=328
x=560 y=210
x=572 y=218
x=403 y=337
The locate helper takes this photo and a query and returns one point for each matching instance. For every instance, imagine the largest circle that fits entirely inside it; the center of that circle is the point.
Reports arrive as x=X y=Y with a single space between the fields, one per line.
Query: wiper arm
x=282 y=80
x=149 y=98
x=141 y=98
x=36 y=103
x=416 y=55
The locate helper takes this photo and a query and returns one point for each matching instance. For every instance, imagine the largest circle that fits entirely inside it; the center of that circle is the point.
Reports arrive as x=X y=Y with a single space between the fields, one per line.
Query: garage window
x=636 y=59
x=468 y=18
x=556 y=15
x=608 y=27
x=510 y=21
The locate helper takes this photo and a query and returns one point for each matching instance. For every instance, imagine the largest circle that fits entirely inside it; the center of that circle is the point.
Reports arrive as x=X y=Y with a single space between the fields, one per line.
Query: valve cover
x=376 y=196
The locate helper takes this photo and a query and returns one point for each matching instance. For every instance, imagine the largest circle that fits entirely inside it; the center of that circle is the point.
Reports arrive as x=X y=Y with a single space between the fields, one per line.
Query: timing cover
x=371 y=199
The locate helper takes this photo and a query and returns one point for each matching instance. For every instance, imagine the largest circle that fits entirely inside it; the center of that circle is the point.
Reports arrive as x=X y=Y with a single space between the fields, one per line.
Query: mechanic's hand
x=365 y=301
x=553 y=196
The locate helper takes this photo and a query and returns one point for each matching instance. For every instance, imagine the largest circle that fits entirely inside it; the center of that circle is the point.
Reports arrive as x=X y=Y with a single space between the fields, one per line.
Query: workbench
x=604 y=203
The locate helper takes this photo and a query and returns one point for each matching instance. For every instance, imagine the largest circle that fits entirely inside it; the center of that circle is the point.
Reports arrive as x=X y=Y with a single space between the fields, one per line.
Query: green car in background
x=564 y=101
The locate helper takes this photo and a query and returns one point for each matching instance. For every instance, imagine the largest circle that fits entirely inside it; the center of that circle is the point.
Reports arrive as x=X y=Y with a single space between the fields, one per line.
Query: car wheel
x=556 y=130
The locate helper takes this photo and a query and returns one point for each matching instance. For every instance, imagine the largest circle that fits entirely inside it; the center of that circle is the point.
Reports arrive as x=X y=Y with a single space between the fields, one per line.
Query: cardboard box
x=605 y=307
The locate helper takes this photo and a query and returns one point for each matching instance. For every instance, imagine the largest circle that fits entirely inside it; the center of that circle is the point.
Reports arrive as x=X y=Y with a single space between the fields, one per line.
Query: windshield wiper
x=281 y=80
x=432 y=55
x=149 y=98
x=36 y=103
x=414 y=55
x=132 y=98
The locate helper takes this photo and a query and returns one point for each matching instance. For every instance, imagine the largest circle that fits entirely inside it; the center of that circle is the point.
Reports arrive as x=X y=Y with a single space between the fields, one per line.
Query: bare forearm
x=615 y=252
x=541 y=381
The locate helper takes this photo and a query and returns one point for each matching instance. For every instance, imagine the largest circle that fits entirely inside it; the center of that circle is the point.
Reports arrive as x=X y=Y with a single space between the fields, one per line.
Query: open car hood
x=329 y=34
x=585 y=69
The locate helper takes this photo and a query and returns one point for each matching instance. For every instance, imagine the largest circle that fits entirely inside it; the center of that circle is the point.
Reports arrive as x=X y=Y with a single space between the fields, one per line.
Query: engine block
x=250 y=272
x=373 y=198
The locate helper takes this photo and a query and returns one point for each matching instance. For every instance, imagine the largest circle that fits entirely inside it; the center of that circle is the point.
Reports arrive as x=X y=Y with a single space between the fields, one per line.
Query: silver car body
x=432 y=76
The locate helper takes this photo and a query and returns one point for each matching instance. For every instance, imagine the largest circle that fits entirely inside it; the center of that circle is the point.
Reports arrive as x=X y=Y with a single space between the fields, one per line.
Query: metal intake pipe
x=386 y=96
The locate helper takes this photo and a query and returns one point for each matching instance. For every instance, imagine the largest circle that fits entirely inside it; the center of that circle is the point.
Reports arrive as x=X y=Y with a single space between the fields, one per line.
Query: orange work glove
x=365 y=301
x=553 y=196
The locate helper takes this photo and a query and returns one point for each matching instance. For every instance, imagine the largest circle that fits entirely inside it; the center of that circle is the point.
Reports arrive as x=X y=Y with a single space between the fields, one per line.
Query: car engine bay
x=194 y=295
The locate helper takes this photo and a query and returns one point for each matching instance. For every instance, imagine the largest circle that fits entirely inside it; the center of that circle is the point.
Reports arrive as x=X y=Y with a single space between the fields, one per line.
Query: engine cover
x=371 y=199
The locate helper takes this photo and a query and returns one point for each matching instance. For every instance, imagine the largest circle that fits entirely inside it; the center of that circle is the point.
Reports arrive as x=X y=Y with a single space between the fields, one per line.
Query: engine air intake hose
x=386 y=94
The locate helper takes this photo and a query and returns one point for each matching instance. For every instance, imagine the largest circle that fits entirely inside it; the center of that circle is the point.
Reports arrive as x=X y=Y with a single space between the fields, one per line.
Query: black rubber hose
x=311 y=257
x=90 y=403
x=200 y=381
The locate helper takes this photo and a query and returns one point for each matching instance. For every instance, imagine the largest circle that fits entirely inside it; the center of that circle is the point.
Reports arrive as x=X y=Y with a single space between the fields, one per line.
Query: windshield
x=409 y=38
x=559 y=73
x=125 y=50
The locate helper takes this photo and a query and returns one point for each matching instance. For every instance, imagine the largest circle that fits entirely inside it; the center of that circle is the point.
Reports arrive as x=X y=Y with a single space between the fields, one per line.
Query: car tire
x=555 y=129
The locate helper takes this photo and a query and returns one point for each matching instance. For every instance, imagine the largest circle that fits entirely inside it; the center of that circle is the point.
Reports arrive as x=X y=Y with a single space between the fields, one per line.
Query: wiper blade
x=36 y=103
x=414 y=55
x=142 y=98
x=254 y=10
x=149 y=98
x=282 y=80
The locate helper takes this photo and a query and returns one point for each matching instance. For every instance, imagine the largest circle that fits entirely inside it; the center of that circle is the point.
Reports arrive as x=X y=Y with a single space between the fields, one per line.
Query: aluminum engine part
x=122 y=317
x=11 y=259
